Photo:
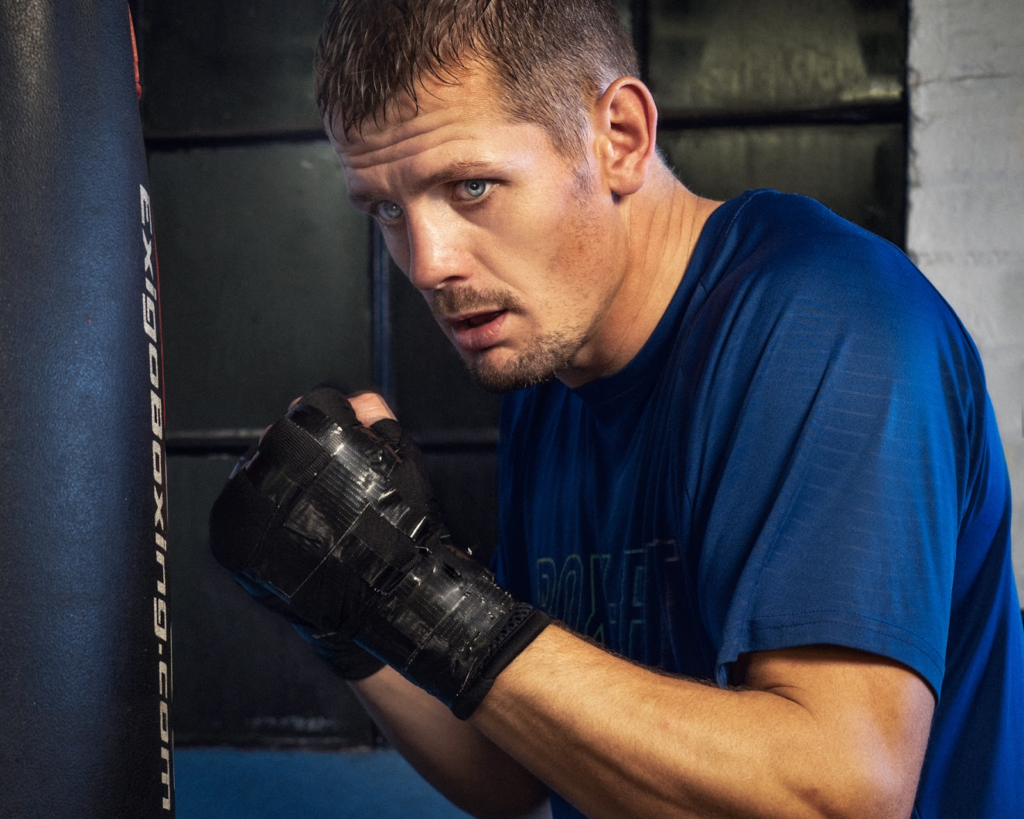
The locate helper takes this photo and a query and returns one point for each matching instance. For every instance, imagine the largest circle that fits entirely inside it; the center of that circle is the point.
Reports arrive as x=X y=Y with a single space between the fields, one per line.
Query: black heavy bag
x=84 y=635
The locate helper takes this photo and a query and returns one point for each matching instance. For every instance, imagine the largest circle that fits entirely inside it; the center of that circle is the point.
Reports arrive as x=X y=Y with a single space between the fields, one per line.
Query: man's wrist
x=449 y=628
x=524 y=627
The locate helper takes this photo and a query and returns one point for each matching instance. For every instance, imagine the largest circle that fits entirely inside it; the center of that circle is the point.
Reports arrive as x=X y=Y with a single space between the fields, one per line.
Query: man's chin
x=499 y=380
x=517 y=372
x=503 y=369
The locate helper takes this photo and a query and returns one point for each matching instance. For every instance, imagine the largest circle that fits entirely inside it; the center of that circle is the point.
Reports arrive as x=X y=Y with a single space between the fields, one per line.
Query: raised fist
x=339 y=523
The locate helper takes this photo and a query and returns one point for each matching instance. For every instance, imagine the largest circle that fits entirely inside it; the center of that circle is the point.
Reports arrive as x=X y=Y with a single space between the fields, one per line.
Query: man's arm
x=337 y=521
x=451 y=754
x=818 y=731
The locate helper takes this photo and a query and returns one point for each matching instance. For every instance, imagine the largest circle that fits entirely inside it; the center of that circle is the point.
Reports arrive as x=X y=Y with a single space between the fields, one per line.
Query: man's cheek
x=397 y=248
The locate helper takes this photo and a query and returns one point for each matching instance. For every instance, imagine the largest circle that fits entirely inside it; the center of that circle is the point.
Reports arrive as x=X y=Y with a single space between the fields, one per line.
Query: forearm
x=449 y=753
x=618 y=740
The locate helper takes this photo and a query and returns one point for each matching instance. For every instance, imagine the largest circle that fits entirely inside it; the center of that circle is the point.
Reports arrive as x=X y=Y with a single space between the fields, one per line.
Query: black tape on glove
x=339 y=522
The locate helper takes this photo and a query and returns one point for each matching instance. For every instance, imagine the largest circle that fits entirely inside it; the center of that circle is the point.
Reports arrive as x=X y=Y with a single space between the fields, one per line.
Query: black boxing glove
x=339 y=522
x=347 y=660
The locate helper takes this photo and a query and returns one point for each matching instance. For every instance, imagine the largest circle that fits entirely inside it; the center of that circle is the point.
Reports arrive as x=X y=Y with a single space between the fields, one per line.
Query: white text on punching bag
x=161 y=624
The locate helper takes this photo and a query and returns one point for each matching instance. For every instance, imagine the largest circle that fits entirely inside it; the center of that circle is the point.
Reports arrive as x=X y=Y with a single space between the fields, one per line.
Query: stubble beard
x=542 y=359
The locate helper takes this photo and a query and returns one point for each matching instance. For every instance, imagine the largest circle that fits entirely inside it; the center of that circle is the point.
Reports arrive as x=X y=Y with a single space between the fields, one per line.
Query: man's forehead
x=466 y=99
x=390 y=139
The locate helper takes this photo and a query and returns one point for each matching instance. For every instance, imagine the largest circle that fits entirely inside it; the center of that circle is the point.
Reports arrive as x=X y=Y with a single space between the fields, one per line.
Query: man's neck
x=663 y=222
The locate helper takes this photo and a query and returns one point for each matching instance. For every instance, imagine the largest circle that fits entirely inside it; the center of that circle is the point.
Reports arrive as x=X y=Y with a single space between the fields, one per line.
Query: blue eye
x=475 y=188
x=389 y=211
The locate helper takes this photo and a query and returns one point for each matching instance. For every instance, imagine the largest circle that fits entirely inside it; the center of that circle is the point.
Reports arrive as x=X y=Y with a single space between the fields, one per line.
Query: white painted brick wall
x=966 y=219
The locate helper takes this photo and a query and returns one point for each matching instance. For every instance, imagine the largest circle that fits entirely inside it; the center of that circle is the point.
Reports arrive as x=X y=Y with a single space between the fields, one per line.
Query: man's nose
x=435 y=256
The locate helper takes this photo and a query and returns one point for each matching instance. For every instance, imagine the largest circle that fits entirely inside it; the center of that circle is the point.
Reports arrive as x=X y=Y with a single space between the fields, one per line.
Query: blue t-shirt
x=802 y=453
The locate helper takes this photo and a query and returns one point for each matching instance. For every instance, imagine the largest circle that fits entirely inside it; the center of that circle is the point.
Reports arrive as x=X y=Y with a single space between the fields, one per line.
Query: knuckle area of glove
x=342 y=532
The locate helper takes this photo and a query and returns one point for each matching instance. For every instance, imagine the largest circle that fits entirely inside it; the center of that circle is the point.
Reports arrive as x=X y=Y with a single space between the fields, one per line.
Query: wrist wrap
x=321 y=517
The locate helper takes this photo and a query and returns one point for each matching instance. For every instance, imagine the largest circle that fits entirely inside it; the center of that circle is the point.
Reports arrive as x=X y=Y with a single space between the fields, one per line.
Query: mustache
x=451 y=302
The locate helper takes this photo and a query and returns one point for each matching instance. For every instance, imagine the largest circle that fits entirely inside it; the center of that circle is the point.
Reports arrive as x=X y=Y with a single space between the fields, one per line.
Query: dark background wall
x=271 y=283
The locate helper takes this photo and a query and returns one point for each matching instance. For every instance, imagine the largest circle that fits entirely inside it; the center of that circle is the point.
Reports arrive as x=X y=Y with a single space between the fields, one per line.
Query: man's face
x=514 y=251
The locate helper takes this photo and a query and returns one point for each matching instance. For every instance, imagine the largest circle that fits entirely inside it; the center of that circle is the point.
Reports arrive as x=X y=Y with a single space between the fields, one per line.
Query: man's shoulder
x=780 y=250
x=789 y=233
x=793 y=215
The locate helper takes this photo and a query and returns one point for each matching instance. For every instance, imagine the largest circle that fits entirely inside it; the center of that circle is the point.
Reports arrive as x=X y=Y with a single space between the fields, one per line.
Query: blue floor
x=227 y=783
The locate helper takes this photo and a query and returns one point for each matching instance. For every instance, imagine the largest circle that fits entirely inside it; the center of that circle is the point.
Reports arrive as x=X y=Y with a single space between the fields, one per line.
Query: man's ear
x=625 y=124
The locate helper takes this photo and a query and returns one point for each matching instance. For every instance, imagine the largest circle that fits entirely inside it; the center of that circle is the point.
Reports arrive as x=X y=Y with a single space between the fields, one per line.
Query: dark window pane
x=734 y=55
x=857 y=171
x=241 y=674
x=229 y=67
x=264 y=276
x=432 y=389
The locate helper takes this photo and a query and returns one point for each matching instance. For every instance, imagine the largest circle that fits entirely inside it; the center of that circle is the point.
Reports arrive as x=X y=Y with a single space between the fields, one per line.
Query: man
x=748 y=449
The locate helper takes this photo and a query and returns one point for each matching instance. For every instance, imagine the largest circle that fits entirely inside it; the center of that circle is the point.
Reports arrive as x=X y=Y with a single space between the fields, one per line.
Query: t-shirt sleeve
x=831 y=439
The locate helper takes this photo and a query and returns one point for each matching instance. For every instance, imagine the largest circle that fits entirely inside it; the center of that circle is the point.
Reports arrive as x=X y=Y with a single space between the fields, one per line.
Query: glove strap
x=522 y=629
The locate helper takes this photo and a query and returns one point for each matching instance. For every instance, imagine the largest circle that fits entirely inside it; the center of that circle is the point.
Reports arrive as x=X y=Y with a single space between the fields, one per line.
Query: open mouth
x=478 y=331
x=478 y=320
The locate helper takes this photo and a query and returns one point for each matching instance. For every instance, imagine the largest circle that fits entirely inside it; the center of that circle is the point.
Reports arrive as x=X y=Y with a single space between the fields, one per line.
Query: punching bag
x=84 y=632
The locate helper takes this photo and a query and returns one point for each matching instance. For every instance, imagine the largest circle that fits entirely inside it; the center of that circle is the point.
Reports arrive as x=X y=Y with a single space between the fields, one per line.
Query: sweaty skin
x=533 y=274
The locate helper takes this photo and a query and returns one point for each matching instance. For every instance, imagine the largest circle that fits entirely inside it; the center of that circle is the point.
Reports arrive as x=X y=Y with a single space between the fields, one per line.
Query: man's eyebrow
x=452 y=172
